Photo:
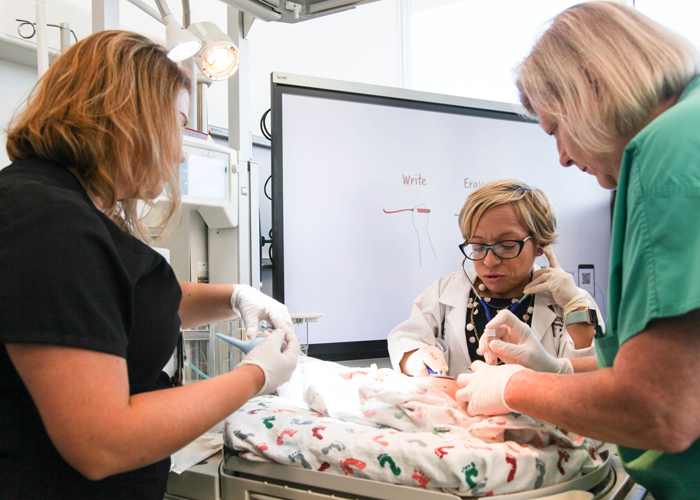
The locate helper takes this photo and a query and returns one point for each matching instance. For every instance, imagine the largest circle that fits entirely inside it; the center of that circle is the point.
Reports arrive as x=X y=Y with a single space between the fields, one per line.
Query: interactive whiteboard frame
x=588 y=227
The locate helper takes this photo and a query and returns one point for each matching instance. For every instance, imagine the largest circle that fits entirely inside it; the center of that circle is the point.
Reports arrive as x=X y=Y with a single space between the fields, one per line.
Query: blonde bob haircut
x=600 y=69
x=531 y=205
x=107 y=111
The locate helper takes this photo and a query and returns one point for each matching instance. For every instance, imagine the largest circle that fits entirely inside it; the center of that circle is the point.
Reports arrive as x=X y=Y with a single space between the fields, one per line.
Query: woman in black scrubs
x=89 y=313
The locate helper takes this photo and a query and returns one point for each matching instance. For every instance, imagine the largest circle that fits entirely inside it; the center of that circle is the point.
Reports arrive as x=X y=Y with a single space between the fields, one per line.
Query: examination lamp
x=218 y=57
x=179 y=42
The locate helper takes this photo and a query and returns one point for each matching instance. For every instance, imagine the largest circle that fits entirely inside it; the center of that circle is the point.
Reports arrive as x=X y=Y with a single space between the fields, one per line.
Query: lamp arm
x=148 y=10
x=186 y=14
x=163 y=8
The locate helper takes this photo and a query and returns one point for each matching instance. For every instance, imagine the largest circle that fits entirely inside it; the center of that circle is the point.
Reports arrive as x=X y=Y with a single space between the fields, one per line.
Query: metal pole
x=193 y=118
x=202 y=112
x=65 y=37
x=105 y=15
x=42 y=44
x=186 y=13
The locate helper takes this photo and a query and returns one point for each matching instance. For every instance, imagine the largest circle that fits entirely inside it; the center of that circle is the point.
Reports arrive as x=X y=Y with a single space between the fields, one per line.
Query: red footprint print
x=345 y=464
x=562 y=456
x=324 y=466
x=377 y=438
x=262 y=447
x=253 y=412
x=514 y=466
x=440 y=452
x=286 y=432
x=283 y=409
x=315 y=430
x=420 y=478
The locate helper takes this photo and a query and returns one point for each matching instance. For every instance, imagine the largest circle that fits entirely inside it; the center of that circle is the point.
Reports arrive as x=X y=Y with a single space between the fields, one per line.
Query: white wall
x=469 y=48
x=75 y=12
x=681 y=16
x=359 y=45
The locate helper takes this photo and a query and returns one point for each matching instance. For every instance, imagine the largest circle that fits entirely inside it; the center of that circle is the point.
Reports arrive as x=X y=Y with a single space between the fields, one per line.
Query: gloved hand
x=483 y=389
x=276 y=360
x=427 y=356
x=254 y=306
x=558 y=282
x=516 y=344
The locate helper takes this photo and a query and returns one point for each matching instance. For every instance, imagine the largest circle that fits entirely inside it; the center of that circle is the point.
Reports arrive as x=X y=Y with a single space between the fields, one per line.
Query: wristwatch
x=588 y=315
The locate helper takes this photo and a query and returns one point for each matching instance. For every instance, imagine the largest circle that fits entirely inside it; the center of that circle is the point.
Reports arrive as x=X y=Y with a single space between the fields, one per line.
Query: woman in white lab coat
x=506 y=225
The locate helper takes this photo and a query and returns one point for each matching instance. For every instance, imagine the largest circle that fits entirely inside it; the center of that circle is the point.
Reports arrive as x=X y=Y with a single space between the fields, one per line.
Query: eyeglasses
x=507 y=249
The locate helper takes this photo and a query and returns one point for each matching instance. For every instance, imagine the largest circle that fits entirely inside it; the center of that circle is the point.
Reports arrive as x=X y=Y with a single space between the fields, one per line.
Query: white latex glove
x=275 y=359
x=558 y=282
x=426 y=357
x=516 y=344
x=483 y=390
x=254 y=306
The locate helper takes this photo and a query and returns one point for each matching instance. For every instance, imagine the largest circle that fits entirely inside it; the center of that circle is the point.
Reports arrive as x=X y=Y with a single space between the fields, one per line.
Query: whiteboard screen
x=366 y=193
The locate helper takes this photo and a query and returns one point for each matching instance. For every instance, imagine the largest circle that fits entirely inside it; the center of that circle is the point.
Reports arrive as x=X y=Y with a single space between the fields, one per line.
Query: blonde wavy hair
x=600 y=69
x=107 y=111
x=531 y=205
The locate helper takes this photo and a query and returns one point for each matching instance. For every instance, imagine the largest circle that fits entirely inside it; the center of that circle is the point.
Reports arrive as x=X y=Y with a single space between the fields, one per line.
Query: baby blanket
x=380 y=425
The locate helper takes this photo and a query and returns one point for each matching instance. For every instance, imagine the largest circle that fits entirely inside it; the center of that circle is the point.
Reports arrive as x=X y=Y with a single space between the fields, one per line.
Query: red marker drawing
x=418 y=209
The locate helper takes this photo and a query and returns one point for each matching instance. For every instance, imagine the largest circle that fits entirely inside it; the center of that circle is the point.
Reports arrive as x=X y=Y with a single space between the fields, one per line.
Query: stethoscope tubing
x=481 y=299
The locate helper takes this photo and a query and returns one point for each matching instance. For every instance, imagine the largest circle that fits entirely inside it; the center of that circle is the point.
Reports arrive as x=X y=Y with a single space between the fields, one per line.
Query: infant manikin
x=362 y=394
x=446 y=385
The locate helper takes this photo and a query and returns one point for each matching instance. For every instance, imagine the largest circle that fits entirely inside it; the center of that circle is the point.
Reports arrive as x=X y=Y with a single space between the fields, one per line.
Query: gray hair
x=601 y=68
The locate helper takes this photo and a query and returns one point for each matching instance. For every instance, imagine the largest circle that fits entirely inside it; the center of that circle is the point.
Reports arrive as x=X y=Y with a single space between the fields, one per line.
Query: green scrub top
x=655 y=263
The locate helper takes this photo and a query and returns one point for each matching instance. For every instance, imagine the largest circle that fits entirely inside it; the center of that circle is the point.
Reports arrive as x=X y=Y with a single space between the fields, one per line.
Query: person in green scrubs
x=621 y=97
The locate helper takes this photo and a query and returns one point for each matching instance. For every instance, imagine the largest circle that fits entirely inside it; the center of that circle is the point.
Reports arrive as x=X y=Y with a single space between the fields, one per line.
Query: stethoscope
x=483 y=302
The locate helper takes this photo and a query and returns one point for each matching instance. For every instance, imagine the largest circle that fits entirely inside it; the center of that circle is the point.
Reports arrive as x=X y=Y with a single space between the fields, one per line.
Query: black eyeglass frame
x=520 y=243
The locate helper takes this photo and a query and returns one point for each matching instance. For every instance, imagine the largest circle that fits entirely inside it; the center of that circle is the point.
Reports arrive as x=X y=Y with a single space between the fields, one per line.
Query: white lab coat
x=445 y=302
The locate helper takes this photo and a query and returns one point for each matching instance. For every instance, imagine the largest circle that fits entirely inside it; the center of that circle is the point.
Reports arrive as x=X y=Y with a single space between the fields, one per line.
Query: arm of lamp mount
x=256 y=9
x=148 y=10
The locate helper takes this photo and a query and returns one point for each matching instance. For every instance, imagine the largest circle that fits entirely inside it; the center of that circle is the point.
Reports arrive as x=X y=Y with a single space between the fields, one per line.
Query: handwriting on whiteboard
x=415 y=180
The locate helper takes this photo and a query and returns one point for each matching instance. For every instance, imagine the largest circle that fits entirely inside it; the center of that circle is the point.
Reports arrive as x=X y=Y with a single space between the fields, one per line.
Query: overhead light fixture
x=218 y=57
x=180 y=43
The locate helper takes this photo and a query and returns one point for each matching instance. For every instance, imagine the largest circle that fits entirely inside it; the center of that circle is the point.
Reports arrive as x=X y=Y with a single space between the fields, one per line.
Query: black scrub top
x=69 y=276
